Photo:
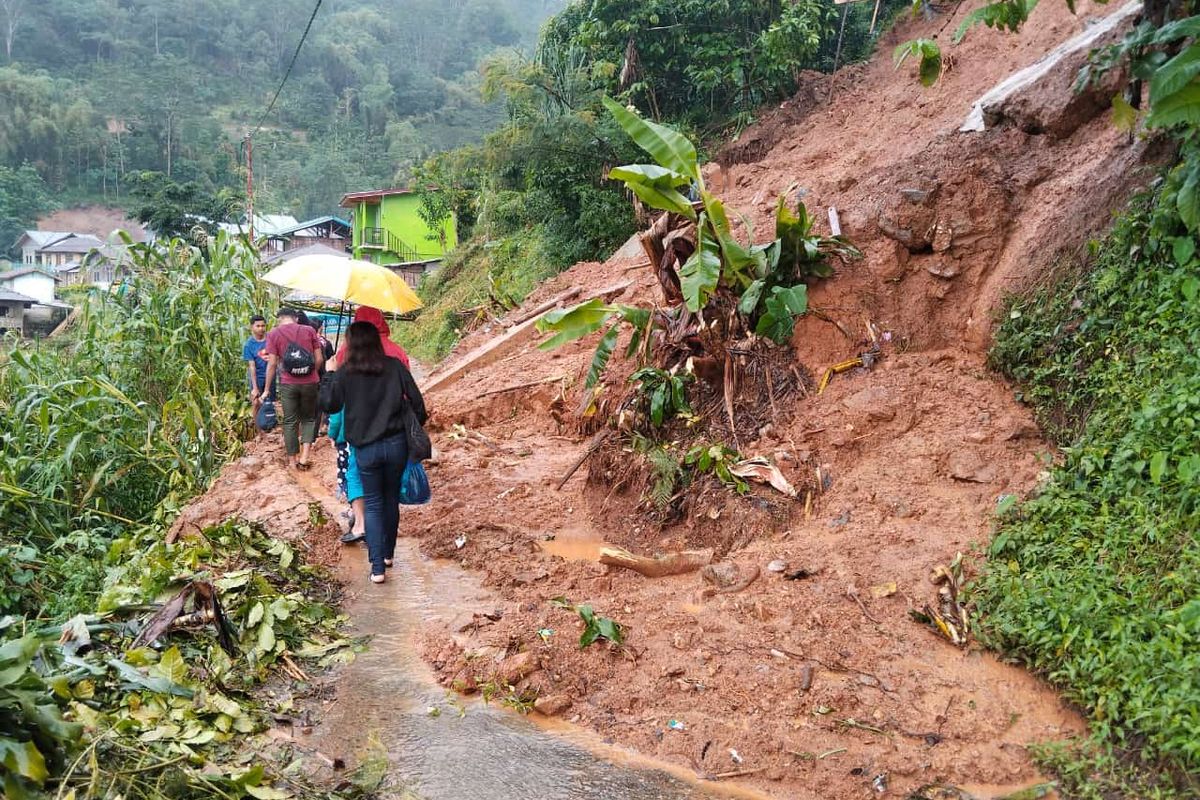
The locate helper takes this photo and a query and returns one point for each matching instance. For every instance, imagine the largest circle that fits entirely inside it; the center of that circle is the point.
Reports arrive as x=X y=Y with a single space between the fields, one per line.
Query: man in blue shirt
x=256 y=363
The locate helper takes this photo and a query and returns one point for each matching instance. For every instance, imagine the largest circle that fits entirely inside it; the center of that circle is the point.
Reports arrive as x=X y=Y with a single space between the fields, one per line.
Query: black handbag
x=420 y=447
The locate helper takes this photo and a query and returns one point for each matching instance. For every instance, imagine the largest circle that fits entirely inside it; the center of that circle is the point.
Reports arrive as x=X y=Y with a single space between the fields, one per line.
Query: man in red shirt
x=293 y=352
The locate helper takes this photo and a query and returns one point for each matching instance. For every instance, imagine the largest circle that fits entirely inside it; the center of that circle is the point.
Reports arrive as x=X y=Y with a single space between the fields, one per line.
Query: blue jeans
x=380 y=465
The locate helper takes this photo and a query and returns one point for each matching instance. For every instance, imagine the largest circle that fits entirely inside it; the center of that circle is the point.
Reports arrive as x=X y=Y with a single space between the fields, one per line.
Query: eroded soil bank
x=822 y=686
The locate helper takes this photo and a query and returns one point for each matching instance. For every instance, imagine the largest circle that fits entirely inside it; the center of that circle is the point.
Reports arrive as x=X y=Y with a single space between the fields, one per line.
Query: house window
x=4 y=311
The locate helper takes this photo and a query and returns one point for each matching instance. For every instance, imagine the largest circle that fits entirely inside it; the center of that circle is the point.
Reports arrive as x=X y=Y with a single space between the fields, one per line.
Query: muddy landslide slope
x=821 y=684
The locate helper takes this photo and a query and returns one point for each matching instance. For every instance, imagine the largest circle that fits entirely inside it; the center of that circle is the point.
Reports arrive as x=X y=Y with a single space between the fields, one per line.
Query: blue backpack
x=266 y=419
x=414 y=485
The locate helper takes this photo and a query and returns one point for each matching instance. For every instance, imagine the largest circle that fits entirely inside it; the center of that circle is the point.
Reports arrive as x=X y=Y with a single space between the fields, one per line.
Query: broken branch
x=669 y=564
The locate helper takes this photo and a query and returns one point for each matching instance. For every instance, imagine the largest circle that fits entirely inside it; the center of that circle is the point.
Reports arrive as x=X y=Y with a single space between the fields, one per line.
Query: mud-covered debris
x=937 y=791
x=949 y=617
x=676 y=725
x=659 y=566
x=882 y=590
x=763 y=471
x=460 y=541
x=734 y=756
x=880 y=783
x=206 y=608
x=970 y=466
x=799 y=575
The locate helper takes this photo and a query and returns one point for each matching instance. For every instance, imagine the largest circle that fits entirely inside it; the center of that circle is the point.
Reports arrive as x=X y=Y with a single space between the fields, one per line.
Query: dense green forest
x=93 y=92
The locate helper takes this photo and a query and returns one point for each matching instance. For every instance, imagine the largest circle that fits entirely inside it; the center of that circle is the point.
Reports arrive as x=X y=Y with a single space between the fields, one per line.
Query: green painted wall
x=398 y=213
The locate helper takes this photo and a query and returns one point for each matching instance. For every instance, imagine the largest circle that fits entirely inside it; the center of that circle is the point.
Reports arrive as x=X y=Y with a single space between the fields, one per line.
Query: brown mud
x=813 y=687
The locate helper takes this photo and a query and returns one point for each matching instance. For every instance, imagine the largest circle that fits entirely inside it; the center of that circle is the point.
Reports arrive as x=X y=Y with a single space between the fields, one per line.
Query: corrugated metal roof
x=43 y=238
x=318 y=249
x=16 y=273
x=354 y=198
x=309 y=223
x=16 y=297
x=74 y=243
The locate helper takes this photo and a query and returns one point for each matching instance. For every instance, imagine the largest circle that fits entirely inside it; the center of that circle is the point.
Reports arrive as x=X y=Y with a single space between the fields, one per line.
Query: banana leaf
x=668 y=147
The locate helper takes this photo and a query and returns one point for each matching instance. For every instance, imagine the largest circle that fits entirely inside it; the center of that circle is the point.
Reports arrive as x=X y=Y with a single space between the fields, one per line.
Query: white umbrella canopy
x=347 y=279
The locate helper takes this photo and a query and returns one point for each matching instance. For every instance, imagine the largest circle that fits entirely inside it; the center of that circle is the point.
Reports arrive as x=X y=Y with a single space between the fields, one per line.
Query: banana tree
x=764 y=283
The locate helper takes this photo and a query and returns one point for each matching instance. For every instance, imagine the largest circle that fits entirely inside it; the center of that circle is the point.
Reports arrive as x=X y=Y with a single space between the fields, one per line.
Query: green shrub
x=1095 y=582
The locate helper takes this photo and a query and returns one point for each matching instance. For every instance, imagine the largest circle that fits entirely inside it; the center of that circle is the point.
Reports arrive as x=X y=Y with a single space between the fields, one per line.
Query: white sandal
x=378 y=578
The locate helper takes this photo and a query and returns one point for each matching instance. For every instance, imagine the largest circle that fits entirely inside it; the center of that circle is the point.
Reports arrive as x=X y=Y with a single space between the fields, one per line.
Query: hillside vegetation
x=534 y=197
x=93 y=92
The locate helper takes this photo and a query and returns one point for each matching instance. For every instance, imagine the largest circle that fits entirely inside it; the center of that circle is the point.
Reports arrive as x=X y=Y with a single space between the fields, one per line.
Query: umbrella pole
x=337 y=337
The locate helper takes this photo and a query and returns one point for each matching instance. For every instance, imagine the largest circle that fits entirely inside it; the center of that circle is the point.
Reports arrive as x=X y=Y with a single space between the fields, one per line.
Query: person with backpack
x=378 y=395
x=294 y=353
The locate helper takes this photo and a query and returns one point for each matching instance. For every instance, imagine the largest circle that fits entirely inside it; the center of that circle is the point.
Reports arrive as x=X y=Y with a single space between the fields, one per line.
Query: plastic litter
x=460 y=541
x=676 y=725
x=733 y=754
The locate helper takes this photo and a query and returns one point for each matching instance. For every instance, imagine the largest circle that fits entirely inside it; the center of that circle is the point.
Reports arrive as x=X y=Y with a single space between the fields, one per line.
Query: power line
x=287 y=74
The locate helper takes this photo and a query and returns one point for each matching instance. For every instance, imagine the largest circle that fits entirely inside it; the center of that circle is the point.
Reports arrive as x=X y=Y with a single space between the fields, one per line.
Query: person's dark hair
x=302 y=318
x=316 y=323
x=287 y=312
x=257 y=318
x=364 y=350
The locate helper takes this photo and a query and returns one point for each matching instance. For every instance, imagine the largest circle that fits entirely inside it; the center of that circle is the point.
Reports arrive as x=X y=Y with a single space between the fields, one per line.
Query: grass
x=1095 y=581
x=498 y=274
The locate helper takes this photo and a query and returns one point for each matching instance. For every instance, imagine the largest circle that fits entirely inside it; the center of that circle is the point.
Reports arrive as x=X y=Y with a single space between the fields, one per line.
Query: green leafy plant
x=716 y=460
x=34 y=738
x=1005 y=14
x=666 y=474
x=764 y=277
x=1093 y=582
x=594 y=627
x=578 y=321
x=664 y=394
x=929 y=55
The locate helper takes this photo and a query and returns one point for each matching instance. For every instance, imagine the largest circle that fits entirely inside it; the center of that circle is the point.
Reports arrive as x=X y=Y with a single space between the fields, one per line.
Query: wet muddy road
x=466 y=750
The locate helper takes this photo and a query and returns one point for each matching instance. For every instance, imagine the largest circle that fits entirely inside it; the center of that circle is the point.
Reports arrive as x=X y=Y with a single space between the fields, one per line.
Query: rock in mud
x=517 y=667
x=968 y=465
x=552 y=705
x=722 y=574
x=942 y=267
x=874 y=401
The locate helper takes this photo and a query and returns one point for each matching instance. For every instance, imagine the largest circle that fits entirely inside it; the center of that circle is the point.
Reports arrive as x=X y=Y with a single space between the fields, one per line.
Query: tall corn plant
x=141 y=404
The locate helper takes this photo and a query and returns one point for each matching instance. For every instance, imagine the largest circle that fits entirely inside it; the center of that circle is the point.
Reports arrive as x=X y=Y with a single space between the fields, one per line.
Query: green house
x=387 y=229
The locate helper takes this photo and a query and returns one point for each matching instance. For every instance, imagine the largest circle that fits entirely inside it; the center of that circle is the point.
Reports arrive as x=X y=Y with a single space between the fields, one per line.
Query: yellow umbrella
x=347 y=279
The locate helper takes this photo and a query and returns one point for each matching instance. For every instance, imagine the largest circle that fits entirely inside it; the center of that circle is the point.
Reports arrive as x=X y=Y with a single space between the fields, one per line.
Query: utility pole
x=250 y=185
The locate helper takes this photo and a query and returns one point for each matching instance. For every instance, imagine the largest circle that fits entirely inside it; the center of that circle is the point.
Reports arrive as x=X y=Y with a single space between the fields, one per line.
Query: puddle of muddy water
x=469 y=751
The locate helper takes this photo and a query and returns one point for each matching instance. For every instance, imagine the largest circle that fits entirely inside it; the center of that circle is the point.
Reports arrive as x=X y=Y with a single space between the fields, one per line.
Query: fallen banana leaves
x=88 y=709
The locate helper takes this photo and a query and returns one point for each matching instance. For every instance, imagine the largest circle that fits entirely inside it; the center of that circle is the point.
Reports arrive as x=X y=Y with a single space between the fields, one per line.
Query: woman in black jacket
x=376 y=392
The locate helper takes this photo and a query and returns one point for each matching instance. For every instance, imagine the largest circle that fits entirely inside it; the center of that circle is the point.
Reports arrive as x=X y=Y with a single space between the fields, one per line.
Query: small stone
x=778 y=565
x=977 y=437
x=1014 y=427
x=724 y=573
x=516 y=667
x=552 y=705
x=968 y=465
x=942 y=268
x=914 y=195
